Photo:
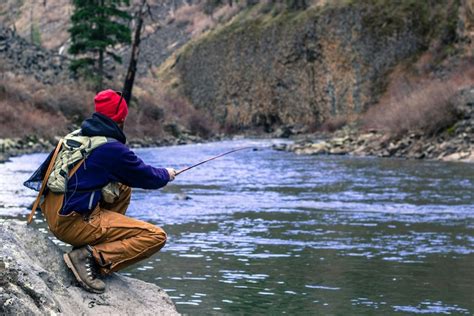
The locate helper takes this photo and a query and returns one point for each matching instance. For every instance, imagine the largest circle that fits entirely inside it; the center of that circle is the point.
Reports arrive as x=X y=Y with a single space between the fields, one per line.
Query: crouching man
x=87 y=185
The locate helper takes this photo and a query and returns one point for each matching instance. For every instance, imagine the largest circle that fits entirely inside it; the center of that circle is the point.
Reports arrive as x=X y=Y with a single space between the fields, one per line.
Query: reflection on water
x=266 y=232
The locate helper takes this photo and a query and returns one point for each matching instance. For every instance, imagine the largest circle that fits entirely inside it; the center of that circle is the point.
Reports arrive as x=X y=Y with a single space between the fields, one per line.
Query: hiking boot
x=85 y=269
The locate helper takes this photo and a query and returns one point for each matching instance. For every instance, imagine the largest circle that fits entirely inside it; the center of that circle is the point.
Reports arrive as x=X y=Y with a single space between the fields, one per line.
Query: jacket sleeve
x=130 y=170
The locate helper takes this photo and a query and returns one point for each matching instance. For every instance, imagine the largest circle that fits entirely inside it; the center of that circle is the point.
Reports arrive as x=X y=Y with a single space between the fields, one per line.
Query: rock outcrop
x=35 y=281
x=21 y=57
x=302 y=67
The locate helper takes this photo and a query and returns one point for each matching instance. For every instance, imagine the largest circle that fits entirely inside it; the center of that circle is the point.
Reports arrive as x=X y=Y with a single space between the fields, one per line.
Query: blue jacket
x=111 y=162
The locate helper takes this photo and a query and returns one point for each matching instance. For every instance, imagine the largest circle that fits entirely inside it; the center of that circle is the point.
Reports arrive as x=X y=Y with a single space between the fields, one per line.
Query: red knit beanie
x=112 y=105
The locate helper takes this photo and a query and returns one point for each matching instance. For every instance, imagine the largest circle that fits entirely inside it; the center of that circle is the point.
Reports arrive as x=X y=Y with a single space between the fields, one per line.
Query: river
x=265 y=232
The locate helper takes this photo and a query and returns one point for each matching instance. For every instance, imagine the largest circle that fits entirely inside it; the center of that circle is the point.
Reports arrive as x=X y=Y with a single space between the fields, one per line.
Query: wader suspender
x=45 y=180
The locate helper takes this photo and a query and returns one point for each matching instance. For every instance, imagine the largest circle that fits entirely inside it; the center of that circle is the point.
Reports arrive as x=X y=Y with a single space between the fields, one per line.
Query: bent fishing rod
x=207 y=160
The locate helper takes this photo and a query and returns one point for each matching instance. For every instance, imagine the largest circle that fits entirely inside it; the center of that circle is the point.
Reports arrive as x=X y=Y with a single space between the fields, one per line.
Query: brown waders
x=117 y=241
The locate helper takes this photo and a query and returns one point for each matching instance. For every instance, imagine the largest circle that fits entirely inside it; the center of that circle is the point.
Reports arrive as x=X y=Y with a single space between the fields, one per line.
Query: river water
x=263 y=231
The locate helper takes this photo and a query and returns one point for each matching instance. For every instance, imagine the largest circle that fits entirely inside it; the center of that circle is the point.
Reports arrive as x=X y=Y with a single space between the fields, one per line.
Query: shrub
x=333 y=124
x=181 y=110
x=155 y=108
x=76 y=103
x=29 y=107
x=22 y=120
x=426 y=106
x=201 y=124
x=195 y=17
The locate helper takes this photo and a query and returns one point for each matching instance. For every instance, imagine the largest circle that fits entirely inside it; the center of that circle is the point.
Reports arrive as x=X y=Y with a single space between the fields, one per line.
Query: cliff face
x=303 y=67
x=35 y=281
x=21 y=57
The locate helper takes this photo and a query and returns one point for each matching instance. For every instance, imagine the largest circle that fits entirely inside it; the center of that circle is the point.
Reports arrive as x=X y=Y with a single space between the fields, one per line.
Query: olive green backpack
x=75 y=148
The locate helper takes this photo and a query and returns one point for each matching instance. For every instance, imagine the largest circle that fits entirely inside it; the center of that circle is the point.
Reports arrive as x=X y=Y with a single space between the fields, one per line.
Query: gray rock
x=338 y=151
x=280 y=147
x=284 y=132
x=35 y=281
x=4 y=157
x=182 y=197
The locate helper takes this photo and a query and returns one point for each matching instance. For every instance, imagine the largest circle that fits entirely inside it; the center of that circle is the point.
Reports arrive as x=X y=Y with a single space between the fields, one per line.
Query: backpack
x=75 y=148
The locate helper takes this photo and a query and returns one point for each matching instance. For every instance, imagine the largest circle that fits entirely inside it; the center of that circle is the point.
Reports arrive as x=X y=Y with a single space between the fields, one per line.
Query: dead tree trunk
x=132 y=66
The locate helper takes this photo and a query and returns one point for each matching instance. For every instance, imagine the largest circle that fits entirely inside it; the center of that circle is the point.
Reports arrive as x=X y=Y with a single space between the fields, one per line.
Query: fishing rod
x=212 y=158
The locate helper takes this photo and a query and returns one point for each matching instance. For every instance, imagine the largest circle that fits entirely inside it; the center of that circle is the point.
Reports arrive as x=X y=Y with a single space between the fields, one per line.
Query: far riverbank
x=450 y=144
x=11 y=147
x=454 y=143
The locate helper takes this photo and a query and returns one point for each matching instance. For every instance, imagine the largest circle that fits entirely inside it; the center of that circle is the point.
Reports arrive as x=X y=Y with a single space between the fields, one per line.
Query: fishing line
x=212 y=158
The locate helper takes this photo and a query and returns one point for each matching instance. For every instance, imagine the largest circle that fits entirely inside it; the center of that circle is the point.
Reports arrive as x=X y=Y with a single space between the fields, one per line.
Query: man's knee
x=158 y=235
x=154 y=239
x=161 y=235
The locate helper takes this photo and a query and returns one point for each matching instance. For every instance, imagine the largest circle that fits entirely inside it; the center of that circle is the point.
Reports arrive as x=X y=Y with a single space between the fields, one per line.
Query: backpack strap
x=43 y=184
x=76 y=167
x=48 y=172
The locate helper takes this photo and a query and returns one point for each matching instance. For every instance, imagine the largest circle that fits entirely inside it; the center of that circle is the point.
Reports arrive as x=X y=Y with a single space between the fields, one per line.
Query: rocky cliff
x=301 y=67
x=21 y=57
x=35 y=281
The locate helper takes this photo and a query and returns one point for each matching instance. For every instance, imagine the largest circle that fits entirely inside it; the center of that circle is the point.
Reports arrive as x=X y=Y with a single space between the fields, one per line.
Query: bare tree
x=132 y=66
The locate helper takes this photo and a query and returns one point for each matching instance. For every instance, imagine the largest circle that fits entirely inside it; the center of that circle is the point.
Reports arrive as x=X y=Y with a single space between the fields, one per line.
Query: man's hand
x=172 y=173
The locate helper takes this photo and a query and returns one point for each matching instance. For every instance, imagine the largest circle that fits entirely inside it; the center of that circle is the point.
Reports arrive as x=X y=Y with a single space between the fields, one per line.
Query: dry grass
x=333 y=124
x=31 y=108
x=145 y=119
x=226 y=12
x=153 y=101
x=68 y=100
x=419 y=105
x=28 y=120
x=194 y=16
x=199 y=21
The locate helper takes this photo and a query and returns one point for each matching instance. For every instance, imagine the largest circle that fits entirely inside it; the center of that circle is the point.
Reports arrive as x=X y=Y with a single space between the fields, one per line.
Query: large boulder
x=35 y=280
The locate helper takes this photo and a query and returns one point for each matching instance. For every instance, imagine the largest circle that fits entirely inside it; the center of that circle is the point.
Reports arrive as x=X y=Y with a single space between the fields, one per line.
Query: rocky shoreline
x=11 y=147
x=456 y=144
x=35 y=281
x=412 y=146
x=453 y=144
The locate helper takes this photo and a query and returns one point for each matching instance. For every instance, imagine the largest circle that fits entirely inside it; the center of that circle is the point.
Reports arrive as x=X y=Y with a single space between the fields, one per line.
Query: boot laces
x=91 y=267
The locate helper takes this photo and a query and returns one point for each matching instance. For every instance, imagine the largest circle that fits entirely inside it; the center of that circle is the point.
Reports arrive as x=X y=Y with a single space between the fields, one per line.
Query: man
x=104 y=239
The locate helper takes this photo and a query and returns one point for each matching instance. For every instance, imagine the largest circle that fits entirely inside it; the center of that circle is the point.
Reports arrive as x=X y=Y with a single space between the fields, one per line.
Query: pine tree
x=97 y=27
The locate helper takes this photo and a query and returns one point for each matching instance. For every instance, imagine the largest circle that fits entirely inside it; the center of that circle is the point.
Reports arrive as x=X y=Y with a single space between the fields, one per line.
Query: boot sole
x=70 y=265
